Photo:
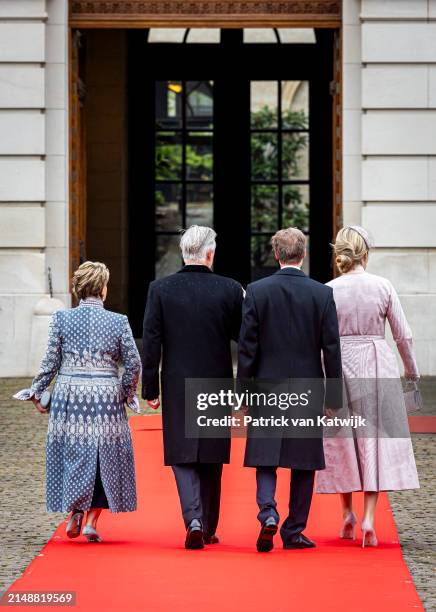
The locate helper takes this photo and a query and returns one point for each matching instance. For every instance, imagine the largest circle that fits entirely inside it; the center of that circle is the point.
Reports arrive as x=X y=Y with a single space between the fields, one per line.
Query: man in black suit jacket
x=191 y=317
x=288 y=321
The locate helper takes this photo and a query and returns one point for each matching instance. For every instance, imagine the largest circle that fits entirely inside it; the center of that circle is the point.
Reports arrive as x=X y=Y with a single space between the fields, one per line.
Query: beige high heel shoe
x=348 y=527
x=369 y=537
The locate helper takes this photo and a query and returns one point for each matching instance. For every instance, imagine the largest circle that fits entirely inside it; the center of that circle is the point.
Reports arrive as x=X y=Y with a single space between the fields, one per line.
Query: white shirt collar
x=290 y=266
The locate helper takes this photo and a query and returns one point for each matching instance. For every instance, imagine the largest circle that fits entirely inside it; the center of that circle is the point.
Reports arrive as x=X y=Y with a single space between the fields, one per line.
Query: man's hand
x=39 y=407
x=154 y=403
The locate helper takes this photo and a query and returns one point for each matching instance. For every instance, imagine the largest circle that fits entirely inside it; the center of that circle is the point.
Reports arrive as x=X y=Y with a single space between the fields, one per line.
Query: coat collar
x=195 y=268
x=291 y=272
x=92 y=301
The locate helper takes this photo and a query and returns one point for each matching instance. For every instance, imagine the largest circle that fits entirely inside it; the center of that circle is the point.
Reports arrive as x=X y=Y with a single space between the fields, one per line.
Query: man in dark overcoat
x=289 y=327
x=190 y=319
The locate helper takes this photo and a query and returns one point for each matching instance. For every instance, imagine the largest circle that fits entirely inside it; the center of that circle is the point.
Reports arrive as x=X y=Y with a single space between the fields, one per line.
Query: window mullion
x=279 y=155
x=184 y=154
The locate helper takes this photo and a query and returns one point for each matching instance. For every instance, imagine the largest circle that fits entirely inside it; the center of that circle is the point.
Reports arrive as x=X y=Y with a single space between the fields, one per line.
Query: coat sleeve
x=151 y=346
x=402 y=335
x=248 y=338
x=132 y=367
x=50 y=364
x=331 y=351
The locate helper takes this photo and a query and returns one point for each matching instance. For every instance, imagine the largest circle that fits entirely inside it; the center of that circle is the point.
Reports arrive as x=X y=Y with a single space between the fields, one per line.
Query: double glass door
x=233 y=136
x=184 y=165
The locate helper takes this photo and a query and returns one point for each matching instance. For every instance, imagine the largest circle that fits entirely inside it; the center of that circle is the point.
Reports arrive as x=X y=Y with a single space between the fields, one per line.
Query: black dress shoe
x=211 y=539
x=267 y=532
x=299 y=541
x=194 y=535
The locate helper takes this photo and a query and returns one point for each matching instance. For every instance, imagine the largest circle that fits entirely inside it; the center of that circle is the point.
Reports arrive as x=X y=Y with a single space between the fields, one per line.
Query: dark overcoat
x=190 y=319
x=288 y=321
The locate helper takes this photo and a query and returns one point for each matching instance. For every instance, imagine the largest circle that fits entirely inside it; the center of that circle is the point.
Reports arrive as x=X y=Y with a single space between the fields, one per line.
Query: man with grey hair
x=288 y=322
x=191 y=317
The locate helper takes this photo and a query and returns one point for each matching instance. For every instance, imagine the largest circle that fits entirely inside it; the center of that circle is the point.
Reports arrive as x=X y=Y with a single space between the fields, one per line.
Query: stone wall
x=33 y=168
x=390 y=149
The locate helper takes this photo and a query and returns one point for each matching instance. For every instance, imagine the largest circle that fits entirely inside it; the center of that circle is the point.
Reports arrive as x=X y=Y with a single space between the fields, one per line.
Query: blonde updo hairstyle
x=350 y=249
x=89 y=280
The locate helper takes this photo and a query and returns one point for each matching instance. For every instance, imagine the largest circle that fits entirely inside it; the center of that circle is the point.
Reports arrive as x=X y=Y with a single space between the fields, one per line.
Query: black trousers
x=99 y=499
x=300 y=498
x=199 y=487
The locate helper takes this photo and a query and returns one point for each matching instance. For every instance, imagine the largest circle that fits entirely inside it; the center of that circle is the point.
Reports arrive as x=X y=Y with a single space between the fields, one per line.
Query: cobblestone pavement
x=415 y=516
x=26 y=527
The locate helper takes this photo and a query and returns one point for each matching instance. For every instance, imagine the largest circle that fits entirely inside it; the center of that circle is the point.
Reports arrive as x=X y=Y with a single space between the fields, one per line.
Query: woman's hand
x=38 y=406
x=411 y=377
x=154 y=403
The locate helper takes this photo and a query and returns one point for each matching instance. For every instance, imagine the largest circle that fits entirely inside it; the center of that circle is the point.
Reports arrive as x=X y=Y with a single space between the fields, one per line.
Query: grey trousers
x=199 y=488
x=300 y=498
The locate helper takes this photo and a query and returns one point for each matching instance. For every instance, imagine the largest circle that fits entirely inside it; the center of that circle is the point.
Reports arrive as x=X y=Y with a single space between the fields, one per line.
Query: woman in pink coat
x=353 y=462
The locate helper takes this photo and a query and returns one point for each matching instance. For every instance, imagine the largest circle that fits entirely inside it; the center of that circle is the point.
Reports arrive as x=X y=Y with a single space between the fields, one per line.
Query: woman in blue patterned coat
x=89 y=453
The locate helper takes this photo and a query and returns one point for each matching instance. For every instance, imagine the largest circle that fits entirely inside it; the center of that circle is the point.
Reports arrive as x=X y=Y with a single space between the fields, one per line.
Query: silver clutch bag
x=45 y=400
x=413 y=398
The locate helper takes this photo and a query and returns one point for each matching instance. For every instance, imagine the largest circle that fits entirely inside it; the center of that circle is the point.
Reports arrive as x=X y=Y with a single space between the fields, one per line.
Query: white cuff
x=25 y=394
x=133 y=403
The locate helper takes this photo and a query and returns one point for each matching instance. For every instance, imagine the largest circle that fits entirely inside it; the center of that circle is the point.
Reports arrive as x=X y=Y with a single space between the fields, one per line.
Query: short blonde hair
x=350 y=249
x=289 y=245
x=89 y=279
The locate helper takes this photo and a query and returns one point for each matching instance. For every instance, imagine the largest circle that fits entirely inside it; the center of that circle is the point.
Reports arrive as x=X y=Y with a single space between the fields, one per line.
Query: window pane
x=168 y=104
x=262 y=258
x=199 y=204
x=264 y=102
x=168 y=256
x=264 y=156
x=259 y=35
x=264 y=208
x=296 y=207
x=295 y=104
x=199 y=159
x=168 y=156
x=297 y=35
x=204 y=35
x=166 y=35
x=199 y=104
x=295 y=156
x=168 y=200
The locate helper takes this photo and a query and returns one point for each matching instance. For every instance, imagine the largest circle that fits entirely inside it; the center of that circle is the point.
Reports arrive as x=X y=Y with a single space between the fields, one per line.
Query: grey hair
x=196 y=242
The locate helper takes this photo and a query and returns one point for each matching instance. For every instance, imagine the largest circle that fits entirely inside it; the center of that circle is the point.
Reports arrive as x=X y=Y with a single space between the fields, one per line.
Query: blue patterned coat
x=87 y=414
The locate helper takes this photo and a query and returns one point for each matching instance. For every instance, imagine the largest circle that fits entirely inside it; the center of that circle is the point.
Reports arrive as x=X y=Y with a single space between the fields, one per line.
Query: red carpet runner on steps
x=142 y=564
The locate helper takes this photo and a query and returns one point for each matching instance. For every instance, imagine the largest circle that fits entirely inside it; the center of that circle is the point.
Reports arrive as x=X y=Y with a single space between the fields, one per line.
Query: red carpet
x=422 y=424
x=142 y=565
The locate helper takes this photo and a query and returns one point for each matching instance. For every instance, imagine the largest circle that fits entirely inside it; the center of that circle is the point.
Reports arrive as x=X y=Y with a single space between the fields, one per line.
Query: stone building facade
x=388 y=158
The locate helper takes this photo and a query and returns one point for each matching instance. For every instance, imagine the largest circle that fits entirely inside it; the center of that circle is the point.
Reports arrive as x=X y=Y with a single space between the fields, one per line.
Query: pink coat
x=364 y=302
